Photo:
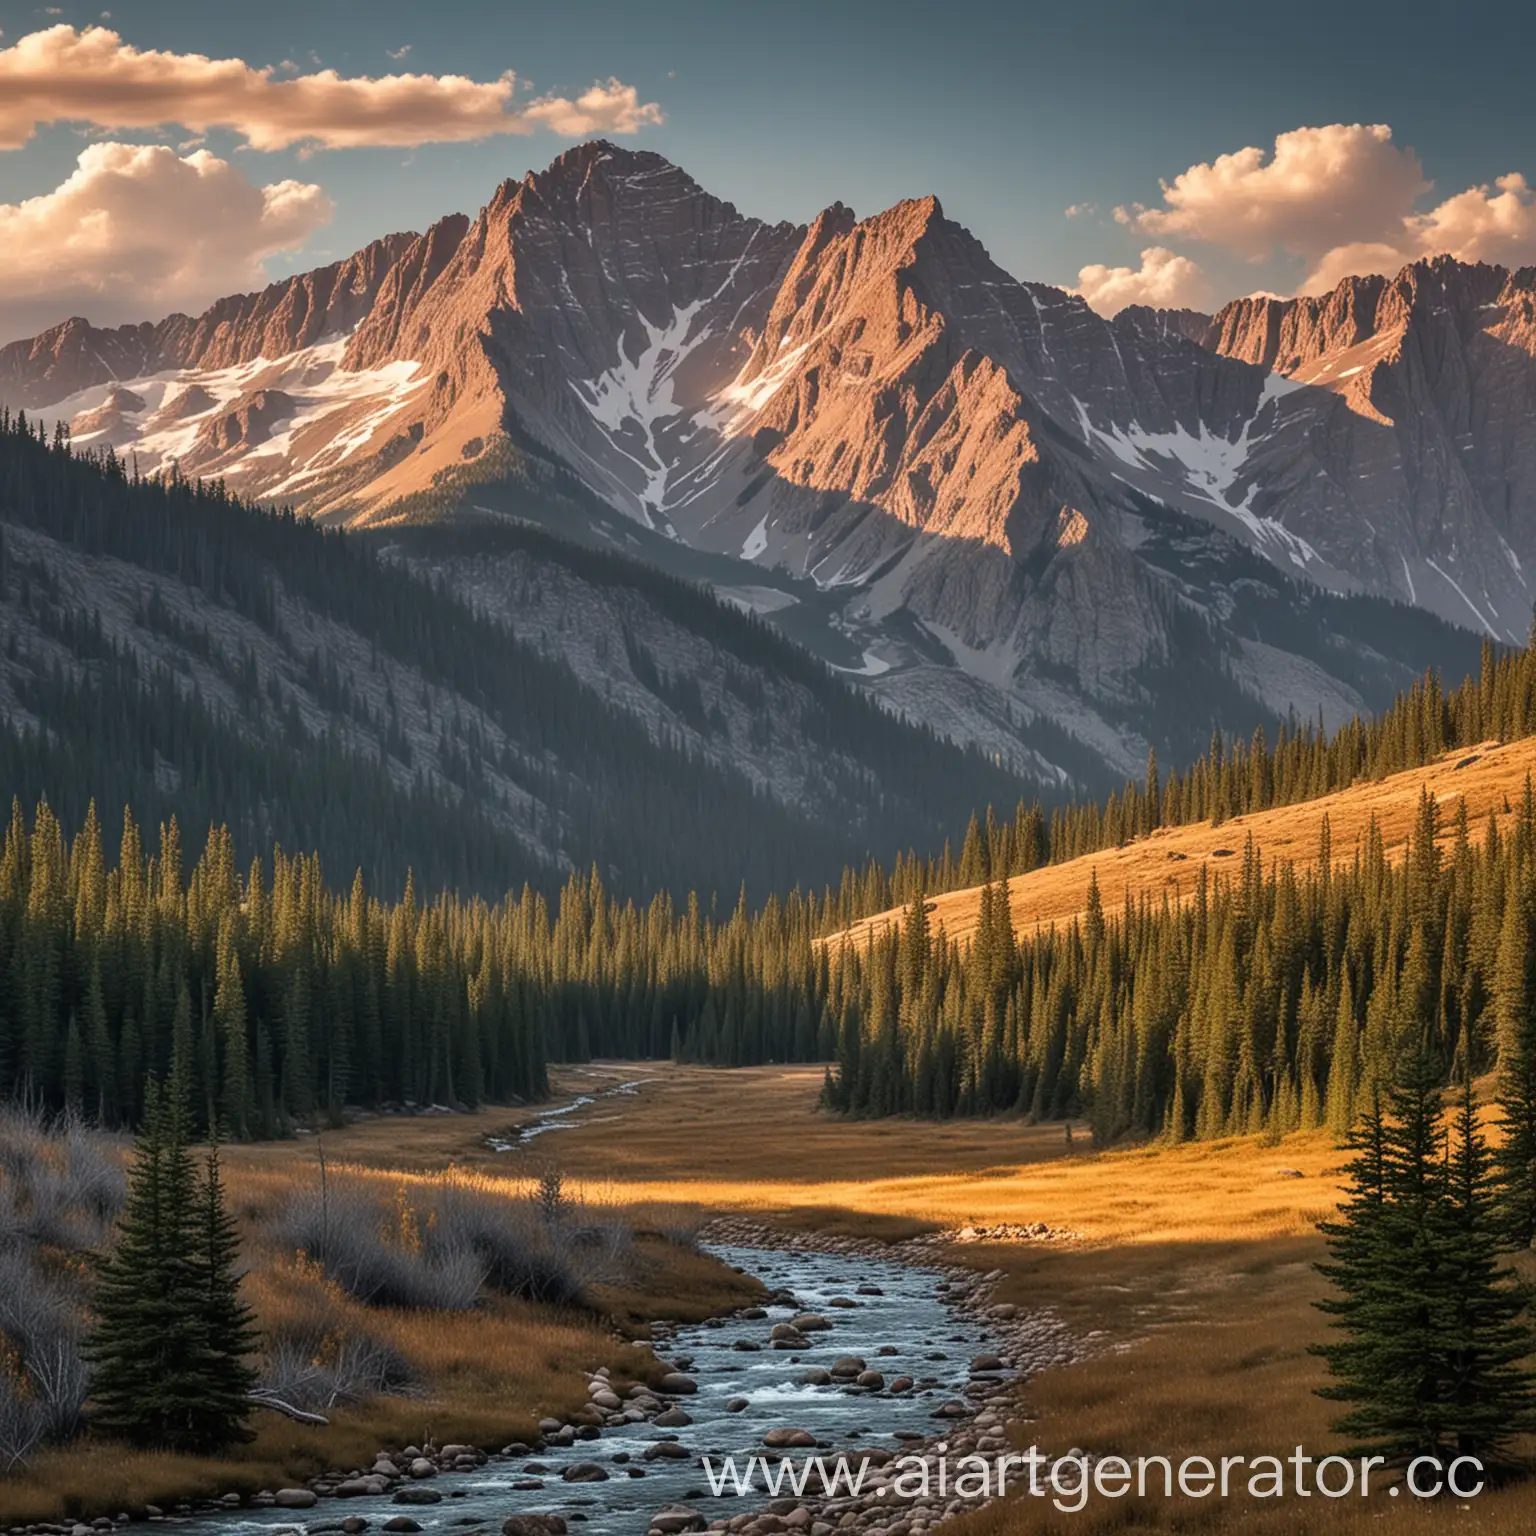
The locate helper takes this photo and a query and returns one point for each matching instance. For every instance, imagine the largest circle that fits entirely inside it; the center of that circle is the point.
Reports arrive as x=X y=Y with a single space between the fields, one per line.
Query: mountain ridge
x=949 y=468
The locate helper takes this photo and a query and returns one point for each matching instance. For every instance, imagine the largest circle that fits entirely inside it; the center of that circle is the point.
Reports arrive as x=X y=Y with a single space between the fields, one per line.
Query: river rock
x=296 y=1498
x=901 y=1384
x=810 y=1322
x=843 y=1302
x=353 y=1525
x=677 y=1384
x=788 y=1438
x=418 y=1496
x=422 y=1467
x=675 y=1518
x=585 y=1472
x=816 y=1376
x=869 y=1290
x=848 y=1365
x=785 y=1333
x=666 y=1450
x=607 y=1400
x=528 y=1484
x=533 y=1525
x=987 y=1363
x=872 y=1380
x=737 y=1404
x=401 y=1523
x=673 y=1418
x=361 y=1487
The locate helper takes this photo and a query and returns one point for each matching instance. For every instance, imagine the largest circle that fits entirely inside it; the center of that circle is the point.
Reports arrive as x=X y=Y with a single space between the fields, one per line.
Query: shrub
x=384 y=1257
x=61 y=1189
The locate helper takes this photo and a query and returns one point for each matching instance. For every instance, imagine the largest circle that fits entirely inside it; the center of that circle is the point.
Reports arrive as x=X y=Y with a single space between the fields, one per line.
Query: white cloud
x=92 y=76
x=1163 y=280
x=1321 y=187
x=139 y=229
x=1345 y=199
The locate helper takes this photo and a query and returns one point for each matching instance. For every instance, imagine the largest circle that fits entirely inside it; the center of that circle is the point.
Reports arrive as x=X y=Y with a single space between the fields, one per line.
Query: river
x=898 y=1323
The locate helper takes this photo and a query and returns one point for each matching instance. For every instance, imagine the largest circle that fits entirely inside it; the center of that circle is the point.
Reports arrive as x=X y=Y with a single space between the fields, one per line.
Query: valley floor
x=1192 y=1265
x=1195 y=1264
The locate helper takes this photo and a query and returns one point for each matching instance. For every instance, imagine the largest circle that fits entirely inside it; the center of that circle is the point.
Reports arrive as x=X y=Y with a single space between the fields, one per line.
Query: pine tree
x=1430 y=1359
x=1489 y=1391
x=229 y=1334
x=147 y=1345
x=172 y=1336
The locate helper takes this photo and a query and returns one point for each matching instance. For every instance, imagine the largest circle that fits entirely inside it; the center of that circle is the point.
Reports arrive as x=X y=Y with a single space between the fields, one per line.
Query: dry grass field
x=1490 y=777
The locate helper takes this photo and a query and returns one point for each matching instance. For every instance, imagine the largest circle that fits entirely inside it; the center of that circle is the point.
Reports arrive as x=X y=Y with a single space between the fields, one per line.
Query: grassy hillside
x=1490 y=778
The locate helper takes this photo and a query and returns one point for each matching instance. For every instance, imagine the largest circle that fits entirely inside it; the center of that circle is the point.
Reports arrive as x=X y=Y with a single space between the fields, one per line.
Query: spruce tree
x=229 y=1333
x=1489 y=1391
x=148 y=1342
x=172 y=1337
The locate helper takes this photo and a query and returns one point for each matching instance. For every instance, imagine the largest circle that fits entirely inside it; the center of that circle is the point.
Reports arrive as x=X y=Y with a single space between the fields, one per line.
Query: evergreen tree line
x=1275 y=998
x=280 y=1001
x=1231 y=779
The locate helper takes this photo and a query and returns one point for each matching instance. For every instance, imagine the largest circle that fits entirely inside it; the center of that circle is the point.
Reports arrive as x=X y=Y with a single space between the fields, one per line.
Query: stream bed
x=892 y=1315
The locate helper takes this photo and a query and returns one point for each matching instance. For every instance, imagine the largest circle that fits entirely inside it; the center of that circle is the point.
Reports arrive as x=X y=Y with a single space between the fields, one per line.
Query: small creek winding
x=925 y=1340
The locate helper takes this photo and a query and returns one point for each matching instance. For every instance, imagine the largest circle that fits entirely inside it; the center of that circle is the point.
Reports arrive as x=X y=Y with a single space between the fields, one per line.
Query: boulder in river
x=870 y=1380
x=737 y=1404
x=418 y=1495
x=675 y=1518
x=585 y=1472
x=666 y=1450
x=673 y=1418
x=810 y=1322
x=677 y=1384
x=402 y=1523
x=987 y=1363
x=296 y=1498
x=788 y=1437
x=533 y=1525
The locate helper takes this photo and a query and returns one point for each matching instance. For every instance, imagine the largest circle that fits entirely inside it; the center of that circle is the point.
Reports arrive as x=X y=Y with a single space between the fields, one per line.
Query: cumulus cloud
x=92 y=76
x=1320 y=188
x=1163 y=280
x=138 y=229
x=1346 y=200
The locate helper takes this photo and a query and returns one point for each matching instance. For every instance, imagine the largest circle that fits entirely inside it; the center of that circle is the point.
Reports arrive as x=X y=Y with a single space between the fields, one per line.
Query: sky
x=160 y=153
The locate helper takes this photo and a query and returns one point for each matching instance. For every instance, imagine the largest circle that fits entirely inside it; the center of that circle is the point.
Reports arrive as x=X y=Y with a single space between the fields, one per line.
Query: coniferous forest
x=1267 y=1000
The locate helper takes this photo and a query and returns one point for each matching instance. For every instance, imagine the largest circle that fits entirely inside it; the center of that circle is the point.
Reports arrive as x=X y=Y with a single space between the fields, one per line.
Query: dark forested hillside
x=167 y=647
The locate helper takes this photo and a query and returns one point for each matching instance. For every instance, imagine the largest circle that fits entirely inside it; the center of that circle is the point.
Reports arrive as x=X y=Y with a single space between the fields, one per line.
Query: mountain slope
x=167 y=647
x=985 y=502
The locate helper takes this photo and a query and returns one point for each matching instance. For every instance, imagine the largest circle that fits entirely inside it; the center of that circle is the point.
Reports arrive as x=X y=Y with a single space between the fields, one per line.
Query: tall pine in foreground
x=171 y=1338
x=1430 y=1359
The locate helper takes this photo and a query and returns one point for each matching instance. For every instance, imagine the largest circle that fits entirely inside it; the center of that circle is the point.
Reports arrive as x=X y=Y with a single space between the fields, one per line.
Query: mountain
x=169 y=648
x=1404 y=454
x=999 y=512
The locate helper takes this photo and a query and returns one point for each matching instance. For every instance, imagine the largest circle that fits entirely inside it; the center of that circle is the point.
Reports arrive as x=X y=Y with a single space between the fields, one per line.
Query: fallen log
x=277 y=1405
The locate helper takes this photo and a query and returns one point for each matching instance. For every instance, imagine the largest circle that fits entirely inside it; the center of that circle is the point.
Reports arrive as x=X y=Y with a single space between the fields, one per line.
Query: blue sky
x=1010 y=113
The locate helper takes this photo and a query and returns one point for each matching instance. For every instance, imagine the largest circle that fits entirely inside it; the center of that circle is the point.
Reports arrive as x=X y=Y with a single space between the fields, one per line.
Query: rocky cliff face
x=1406 y=456
x=917 y=463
